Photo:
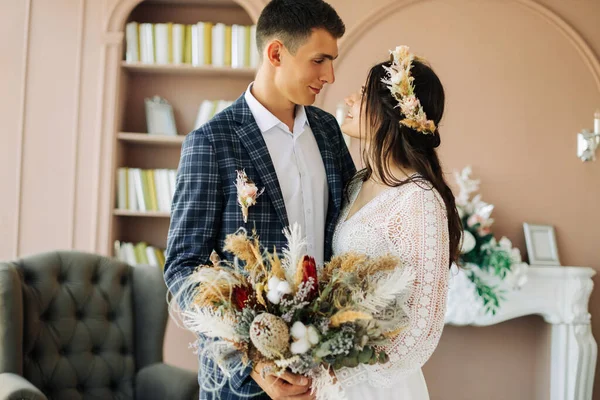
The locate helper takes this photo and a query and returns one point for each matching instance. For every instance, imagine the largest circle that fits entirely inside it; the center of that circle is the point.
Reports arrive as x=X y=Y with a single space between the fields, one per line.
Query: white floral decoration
x=400 y=84
x=247 y=193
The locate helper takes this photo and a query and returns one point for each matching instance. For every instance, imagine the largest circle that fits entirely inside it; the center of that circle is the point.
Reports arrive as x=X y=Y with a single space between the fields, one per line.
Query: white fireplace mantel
x=560 y=295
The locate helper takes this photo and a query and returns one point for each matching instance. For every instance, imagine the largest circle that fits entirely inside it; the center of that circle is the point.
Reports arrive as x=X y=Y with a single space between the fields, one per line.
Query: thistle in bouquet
x=285 y=312
x=493 y=266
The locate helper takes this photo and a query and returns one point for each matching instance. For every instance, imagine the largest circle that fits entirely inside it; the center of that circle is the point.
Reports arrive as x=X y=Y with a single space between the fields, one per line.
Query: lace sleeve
x=416 y=230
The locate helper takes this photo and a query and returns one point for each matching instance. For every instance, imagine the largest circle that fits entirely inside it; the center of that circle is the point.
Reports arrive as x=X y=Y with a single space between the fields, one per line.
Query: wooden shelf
x=186 y=69
x=151 y=140
x=150 y=214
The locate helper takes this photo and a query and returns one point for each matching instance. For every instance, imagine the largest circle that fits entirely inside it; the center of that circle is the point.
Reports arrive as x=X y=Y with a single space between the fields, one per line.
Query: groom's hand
x=287 y=386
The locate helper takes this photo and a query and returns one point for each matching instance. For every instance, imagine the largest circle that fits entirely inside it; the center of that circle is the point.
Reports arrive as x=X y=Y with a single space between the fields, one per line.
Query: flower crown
x=400 y=84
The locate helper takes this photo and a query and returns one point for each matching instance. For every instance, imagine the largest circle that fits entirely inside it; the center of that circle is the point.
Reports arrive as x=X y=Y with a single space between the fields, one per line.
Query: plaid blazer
x=205 y=207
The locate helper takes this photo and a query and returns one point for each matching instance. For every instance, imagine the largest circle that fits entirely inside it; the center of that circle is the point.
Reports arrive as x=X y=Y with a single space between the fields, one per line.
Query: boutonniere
x=247 y=192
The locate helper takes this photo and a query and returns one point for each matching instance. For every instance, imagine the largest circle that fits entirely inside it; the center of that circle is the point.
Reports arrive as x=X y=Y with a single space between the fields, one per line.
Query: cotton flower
x=277 y=289
x=304 y=337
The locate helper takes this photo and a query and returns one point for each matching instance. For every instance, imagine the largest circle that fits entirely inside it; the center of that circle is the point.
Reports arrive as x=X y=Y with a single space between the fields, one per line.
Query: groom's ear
x=274 y=51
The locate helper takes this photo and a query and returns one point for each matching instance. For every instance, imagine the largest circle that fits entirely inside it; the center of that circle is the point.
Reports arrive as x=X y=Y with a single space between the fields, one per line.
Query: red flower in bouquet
x=240 y=296
x=309 y=270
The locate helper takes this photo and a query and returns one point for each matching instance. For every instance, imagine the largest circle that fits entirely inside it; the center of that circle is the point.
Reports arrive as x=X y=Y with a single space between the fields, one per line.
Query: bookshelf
x=185 y=87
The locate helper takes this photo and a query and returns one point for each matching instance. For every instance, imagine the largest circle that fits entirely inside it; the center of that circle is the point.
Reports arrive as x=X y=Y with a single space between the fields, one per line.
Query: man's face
x=301 y=76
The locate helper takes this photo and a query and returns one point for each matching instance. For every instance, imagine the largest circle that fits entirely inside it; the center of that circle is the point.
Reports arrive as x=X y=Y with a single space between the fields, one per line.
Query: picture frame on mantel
x=541 y=245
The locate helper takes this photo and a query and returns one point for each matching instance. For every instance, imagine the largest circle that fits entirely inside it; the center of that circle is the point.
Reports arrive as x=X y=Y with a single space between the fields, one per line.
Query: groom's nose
x=329 y=75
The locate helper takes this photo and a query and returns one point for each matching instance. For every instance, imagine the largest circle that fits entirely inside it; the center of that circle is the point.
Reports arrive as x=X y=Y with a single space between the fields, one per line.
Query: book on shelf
x=178 y=44
x=145 y=190
x=254 y=54
x=147 y=46
x=240 y=46
x=187 y=45
x=201 y=44
x=139 y=190
x=162 y=35
x=122 y=182
x=218 y=45
x=152 y=189
x=197 y=45
x=227 y=53
x=207 y=46
x=139 y=254
x=208 y=109
x=132 y=51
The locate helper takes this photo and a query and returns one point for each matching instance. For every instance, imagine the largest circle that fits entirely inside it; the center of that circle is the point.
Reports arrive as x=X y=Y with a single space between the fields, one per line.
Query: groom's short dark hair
x=292 y=21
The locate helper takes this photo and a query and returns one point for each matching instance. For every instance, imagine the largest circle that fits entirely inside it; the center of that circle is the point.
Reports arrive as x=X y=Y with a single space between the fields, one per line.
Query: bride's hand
x=286 y=386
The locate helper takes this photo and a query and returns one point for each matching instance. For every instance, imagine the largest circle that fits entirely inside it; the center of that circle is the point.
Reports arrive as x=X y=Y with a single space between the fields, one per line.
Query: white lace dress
x=409 y=221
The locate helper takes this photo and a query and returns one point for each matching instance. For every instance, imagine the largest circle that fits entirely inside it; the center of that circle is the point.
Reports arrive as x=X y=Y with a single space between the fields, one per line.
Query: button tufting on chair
x=59 y=338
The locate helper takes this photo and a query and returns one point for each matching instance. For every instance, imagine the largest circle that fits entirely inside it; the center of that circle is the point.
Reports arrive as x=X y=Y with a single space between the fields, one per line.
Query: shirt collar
x=266 y=120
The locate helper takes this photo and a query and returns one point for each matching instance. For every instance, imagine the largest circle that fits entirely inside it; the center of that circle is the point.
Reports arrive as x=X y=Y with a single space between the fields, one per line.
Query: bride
x=401 y=204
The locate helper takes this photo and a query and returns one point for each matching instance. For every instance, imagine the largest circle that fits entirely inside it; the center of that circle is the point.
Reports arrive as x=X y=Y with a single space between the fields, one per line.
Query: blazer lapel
x=327 y=156
x=252 y=139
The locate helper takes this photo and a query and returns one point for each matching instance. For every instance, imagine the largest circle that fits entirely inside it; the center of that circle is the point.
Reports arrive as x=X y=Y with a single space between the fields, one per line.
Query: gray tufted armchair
x=81 y=326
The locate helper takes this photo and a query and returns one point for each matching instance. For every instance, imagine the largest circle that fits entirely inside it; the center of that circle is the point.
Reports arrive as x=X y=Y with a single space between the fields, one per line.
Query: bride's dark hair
x=404 y=147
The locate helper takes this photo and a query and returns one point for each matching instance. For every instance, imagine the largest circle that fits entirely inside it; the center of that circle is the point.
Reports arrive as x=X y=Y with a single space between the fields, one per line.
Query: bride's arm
x=417 y=231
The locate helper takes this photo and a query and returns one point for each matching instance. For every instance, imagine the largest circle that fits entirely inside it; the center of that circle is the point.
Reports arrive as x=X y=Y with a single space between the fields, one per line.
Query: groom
x=293 y=150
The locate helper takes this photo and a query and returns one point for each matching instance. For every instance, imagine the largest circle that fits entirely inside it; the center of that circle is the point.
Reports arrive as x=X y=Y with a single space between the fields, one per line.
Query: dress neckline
x=354 y=196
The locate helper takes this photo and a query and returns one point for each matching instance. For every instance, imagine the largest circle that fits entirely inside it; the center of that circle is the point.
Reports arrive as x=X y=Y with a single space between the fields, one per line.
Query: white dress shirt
x=300 y=172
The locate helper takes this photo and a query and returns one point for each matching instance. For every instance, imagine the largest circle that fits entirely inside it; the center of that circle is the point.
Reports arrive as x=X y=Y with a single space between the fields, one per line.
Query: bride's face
x=351 y=124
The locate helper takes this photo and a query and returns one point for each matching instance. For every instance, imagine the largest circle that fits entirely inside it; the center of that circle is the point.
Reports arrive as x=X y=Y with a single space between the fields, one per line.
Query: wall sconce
x=587 y=142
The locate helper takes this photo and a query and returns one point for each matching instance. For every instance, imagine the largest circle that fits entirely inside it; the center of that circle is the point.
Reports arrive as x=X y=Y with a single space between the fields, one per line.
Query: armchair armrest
x=15 y=387
x=160 y=381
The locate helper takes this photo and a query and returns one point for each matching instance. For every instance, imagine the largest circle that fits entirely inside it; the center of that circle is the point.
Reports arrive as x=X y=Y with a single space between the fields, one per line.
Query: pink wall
x=521 y=77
